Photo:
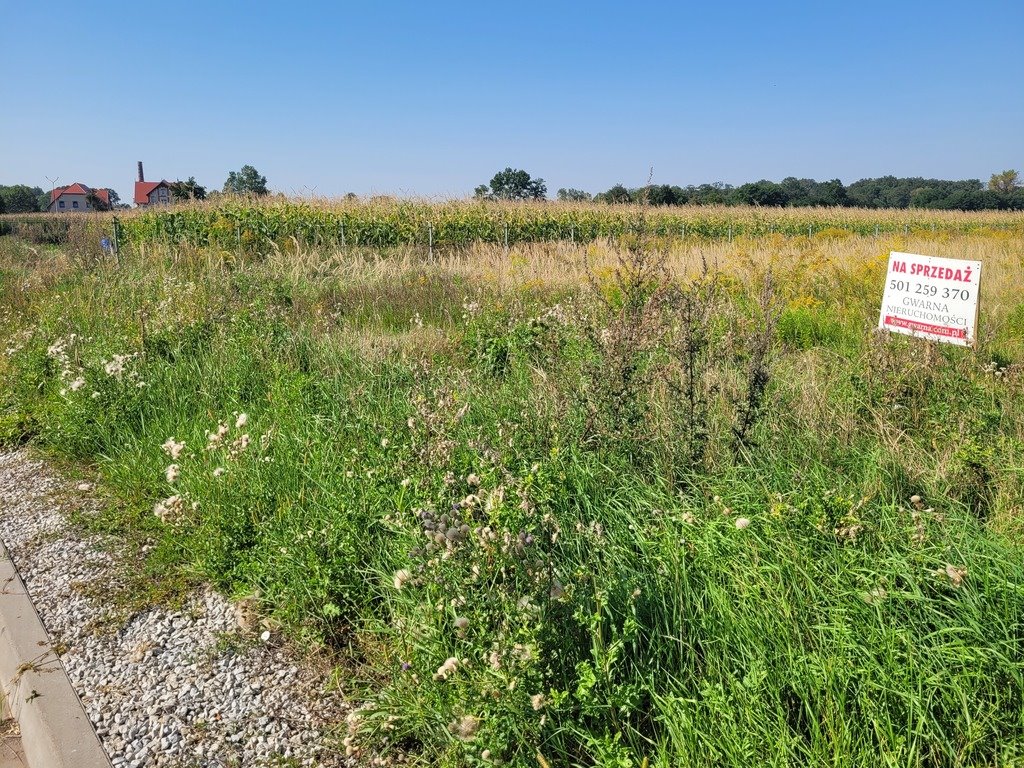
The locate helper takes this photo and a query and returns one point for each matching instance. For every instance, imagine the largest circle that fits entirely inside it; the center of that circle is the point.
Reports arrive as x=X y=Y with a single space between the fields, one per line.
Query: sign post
x=932 y=298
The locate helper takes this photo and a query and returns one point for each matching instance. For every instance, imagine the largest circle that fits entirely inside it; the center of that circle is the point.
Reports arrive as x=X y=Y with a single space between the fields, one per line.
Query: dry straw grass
x=803 y=262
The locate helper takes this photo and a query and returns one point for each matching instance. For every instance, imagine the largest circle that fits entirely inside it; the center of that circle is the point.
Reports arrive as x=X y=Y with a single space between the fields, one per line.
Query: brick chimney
x=141 y=177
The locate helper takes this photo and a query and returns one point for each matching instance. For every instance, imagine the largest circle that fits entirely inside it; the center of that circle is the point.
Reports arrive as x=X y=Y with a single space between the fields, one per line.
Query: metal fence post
x=506 y=235
x=430 y=241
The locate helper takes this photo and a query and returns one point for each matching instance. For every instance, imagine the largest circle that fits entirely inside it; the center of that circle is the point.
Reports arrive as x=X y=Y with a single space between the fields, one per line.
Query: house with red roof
x=152 y=192
x=77 y=197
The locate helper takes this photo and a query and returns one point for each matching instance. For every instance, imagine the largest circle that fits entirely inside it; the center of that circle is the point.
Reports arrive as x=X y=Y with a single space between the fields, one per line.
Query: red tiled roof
x=79 y=189
x=144 y=188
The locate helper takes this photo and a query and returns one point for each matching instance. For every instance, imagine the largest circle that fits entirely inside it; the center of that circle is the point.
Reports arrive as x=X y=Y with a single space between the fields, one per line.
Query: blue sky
x=431 y=99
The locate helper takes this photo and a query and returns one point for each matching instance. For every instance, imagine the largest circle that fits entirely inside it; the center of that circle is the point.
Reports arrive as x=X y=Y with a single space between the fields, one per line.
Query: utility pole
x=53 y=187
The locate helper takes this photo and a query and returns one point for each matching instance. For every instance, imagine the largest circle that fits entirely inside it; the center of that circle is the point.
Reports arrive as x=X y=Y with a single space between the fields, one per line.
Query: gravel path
x=182 y=689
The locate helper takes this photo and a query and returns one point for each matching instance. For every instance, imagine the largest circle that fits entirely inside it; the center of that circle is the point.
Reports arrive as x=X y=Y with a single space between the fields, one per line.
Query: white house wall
x=69 y=201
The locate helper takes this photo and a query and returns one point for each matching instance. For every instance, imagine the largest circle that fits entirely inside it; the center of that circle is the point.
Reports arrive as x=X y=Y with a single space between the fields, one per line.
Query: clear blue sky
x=432 y=98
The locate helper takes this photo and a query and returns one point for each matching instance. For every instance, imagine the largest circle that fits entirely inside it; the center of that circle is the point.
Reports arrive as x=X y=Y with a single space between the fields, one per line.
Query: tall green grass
x=529 y=547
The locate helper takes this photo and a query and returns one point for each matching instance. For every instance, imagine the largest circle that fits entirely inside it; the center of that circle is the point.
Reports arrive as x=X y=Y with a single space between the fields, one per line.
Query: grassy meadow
x=643 y=501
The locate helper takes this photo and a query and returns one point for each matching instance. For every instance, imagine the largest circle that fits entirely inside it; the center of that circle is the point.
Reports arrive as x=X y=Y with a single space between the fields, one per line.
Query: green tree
x=1004 y=182
x=763 y=192
x=512 y=184
x=20 y=198
x=617 y=194
x=190 y=190
x=811 y=192
x=97 y=202
x=246 y=181
x=659 y=194
x=708 y=194
x=830 y=193
x=573 y=195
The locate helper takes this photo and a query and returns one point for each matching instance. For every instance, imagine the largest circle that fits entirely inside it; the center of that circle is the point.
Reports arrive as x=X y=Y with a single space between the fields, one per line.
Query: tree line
x=1003 y=192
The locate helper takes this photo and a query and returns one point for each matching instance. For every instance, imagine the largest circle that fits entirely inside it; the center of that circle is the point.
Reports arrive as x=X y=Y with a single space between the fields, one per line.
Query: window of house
x=61 y=203
x=74 y=203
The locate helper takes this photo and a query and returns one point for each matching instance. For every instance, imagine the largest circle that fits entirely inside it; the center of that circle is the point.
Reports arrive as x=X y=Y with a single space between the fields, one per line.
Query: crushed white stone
x=165 y=689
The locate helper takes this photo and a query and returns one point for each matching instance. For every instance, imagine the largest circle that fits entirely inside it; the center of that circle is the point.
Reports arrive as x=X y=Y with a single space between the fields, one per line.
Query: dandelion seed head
x=876 y=595
x=215 y=438
x=401 y=578
x=742 y=522
x=465 y=727
x=173 y=448
x=954 y=574
x=115 y=367
x=168 y=509
x=447 y=669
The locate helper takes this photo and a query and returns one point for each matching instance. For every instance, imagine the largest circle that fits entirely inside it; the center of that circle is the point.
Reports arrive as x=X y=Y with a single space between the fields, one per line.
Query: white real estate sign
x=932 y=298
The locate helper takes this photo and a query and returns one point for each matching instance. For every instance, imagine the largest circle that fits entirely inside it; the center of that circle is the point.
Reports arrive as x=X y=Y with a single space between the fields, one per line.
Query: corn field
x=258 y=226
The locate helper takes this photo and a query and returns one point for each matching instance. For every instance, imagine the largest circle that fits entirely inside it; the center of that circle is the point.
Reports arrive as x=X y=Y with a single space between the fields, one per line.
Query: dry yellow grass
x=801 y=263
